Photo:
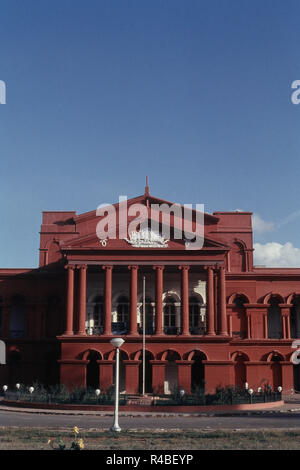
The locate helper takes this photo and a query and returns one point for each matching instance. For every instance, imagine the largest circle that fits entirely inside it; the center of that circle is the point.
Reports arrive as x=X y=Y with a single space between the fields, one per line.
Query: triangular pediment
x=134 y=241
x=141 y=238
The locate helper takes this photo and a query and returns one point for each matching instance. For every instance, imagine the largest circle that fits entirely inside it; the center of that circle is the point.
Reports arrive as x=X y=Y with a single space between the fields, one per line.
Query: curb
x=146 y=414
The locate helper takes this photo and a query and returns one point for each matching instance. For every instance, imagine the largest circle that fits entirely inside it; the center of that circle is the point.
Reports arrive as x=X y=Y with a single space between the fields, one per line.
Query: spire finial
x=147 y=190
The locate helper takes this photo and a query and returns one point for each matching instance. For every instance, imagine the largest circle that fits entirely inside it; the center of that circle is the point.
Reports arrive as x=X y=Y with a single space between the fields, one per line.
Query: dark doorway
x=197 y=372
x=92 y=370
x=15 y=368
x=276 y=372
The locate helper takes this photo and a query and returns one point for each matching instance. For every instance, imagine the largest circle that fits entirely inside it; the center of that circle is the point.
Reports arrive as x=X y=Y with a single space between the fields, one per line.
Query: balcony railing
x=150 y=330
x=121 y=328
x=172 y=330
x=200 y=331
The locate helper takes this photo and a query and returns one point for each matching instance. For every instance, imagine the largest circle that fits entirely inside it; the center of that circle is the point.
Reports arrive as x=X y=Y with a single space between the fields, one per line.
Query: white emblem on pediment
x=146 y=239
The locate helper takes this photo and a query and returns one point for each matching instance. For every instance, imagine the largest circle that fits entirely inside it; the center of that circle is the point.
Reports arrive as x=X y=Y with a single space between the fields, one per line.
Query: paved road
x=266 y=421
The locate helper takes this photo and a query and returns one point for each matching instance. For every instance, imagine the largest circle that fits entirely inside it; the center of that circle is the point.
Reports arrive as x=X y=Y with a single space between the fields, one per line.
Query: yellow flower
x=76 y=430
x=81 y=444
x=49 y=441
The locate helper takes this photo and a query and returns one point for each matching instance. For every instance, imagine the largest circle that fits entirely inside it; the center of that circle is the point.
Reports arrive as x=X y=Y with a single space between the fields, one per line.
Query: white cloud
x=261 y=226
x=274 y=254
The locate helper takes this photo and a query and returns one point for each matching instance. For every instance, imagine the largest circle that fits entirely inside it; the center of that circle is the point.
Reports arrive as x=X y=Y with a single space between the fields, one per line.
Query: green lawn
x=13 y=438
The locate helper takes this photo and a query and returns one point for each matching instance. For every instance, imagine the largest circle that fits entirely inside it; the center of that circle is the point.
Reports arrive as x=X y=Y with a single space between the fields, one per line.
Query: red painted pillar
x=133 y=300
x=248 y=315
x=288 y=326
x=158 y=376
x=73 y=372
x=185 y=330
x=107 y=300
x=210 y=302
x=82 y=299
x=287 y=376
x=283 y=327
x=132 y=376
x=223 y=319
x=105 y=374
x=217 y=374
x=185 y=375
x=70 y=300
x=159 y=303
x=265 y=325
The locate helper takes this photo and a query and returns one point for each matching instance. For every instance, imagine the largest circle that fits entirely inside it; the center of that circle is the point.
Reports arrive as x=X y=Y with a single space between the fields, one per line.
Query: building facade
x=211 y=318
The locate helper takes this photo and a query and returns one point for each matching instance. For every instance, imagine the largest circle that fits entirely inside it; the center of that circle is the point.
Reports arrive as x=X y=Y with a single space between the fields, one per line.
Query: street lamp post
x=117 y=343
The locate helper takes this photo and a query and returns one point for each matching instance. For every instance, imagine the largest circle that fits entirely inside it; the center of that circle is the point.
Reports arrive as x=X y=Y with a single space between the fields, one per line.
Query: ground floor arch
x=197 y=371
x=92 y=369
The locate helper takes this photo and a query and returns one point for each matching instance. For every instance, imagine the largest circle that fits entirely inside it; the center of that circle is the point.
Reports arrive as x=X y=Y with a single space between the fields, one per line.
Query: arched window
x=197 y=317
x=239 y=319
x=121 y=326
x=17 y=317
x=170 y=327
x=274 y=319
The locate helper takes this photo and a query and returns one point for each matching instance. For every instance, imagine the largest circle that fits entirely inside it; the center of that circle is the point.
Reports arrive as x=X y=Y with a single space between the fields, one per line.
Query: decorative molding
x=146 y=239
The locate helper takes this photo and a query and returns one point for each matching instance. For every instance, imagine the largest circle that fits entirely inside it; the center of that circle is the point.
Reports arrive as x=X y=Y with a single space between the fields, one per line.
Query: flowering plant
x=77 y=444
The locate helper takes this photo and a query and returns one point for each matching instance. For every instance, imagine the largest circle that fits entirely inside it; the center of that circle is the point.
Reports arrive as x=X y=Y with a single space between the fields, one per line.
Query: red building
x=211 y=317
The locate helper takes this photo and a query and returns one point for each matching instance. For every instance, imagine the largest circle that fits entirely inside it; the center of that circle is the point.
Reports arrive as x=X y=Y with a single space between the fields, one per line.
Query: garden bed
x=60 y=398
x=145 y=408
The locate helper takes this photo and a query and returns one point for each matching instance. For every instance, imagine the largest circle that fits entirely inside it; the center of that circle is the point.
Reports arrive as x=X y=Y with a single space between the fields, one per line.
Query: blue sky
x=196 y=94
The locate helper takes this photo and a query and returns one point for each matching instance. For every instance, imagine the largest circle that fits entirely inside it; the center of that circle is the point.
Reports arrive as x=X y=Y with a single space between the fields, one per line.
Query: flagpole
x=144 y=332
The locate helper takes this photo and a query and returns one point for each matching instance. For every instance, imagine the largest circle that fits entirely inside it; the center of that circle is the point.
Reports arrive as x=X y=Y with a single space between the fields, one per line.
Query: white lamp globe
x=259 y=389
x=31 y=389
x=18 y=386
x=279 y=389
x=117 y=342
x=97 y=392
x=5 y=387
x=250 y=391
x=182 y=392
x=246 y=385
